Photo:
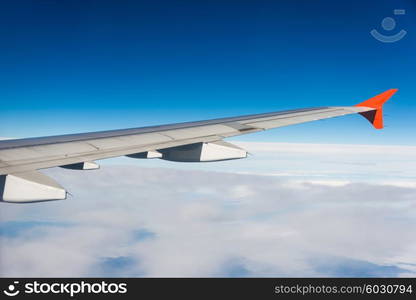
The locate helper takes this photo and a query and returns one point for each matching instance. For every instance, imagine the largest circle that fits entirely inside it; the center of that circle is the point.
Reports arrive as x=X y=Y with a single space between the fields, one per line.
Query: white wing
x=191 y=142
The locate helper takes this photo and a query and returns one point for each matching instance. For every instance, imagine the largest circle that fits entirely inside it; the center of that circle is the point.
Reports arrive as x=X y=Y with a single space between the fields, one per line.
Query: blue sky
x=74 y=66
x=300 y=207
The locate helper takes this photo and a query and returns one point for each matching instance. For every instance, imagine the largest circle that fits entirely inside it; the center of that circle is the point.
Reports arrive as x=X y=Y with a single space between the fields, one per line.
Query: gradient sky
x=74 y=66
x=323 y=210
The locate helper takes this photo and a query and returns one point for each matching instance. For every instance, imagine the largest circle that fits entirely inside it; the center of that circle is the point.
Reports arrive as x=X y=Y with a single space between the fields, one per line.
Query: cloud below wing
x=135 y=221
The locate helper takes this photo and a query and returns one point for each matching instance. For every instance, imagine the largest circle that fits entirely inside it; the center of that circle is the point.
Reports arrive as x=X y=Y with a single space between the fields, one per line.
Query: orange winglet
x=376 y=116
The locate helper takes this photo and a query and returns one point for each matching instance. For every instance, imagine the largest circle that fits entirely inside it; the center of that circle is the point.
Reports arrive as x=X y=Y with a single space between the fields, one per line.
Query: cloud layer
x=135 y=221
x=328 y=163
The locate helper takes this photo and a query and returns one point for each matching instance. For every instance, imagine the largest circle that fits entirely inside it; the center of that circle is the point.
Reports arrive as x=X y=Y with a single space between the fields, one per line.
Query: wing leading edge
x=185 y=142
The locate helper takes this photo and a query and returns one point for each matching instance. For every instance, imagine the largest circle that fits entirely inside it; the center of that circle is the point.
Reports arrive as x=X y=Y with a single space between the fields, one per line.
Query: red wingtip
x=376 y=116
x=378 y=101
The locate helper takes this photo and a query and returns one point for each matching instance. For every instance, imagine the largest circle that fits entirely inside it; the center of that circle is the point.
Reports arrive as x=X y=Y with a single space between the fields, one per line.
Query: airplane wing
x=200 y=141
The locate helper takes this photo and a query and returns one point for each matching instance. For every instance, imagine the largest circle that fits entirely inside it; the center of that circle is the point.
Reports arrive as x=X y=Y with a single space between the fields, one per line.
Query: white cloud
x=318 y=162
x=134 y=221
